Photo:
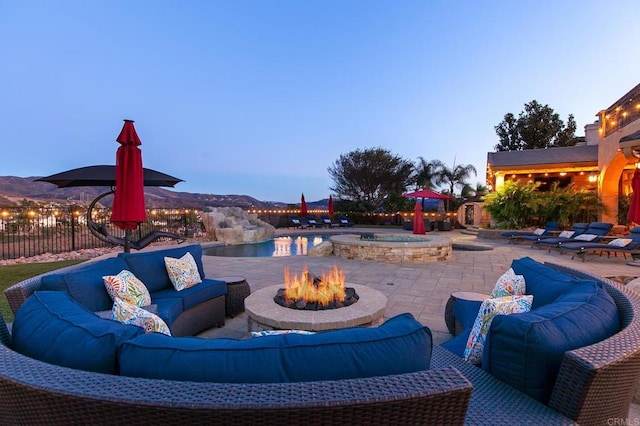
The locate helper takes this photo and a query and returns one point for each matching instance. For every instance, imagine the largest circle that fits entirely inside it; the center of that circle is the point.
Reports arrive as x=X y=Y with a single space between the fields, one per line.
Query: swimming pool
x=293 y=245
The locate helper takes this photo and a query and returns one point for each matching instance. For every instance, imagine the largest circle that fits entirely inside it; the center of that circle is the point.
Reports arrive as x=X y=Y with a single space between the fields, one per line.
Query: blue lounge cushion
x=526 y=350
x=150 y=267
x=169 y=308
x=543 y=282
x=400 y=345
x=53 y=328
x=208 y=289
x=85 y=285
x=458 y=344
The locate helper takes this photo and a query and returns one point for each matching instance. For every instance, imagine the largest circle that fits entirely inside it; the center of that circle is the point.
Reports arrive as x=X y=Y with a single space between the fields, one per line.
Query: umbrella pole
x=127 y=236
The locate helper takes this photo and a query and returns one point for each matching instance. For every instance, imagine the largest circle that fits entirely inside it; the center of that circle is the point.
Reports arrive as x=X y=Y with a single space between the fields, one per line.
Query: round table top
x=234 y=279
x=469 y=295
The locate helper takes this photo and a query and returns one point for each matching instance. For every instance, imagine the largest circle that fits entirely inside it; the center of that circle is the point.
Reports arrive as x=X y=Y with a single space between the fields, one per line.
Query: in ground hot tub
x=393 y=248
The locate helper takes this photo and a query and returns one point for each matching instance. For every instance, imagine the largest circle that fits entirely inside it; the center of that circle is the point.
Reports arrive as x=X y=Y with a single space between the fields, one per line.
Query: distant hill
x=14 y=189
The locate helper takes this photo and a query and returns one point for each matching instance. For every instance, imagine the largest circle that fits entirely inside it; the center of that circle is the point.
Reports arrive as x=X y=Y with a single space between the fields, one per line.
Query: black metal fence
x=26 y=232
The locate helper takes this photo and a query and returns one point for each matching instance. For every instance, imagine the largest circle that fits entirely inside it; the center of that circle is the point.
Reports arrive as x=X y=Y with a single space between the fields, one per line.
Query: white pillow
x=182 y=272
x=620 y=242
x=538 y=231
x=488 y=310
x=126 y=286
x=509 y=284
x=127 y=313
x=566 y=234
x=585 y=237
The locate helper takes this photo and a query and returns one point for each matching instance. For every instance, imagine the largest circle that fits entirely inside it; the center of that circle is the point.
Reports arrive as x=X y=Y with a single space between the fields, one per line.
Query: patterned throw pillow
x=279 y=332
x=620 y=242
x=126 y=286
x=127 y=313
x=509 y=284
x=183 y=272
x=566 y=234
x=489 y=309
x=585 y=237
x=538 y=231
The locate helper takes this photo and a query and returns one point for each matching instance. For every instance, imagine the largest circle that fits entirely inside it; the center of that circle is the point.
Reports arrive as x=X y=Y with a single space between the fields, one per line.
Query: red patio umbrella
x=330 y=204
x=427 y=193
x=634 y=209
x=128 y=203
x=418 y=222
x=303 y=206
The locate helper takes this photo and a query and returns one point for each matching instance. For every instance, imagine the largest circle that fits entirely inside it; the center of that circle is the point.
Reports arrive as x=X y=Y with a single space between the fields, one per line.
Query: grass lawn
x=12 y=274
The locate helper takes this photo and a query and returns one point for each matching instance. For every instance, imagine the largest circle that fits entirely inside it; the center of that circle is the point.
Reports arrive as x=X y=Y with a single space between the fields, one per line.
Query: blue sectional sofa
x=186 y=312
x=526 y=350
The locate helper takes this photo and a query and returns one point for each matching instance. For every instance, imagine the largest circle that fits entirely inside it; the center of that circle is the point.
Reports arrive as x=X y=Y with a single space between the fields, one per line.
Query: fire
x=328 y=289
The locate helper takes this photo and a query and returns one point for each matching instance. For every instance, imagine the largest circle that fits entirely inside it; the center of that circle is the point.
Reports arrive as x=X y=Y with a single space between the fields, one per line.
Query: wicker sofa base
x=201 y=317
x=36 y=393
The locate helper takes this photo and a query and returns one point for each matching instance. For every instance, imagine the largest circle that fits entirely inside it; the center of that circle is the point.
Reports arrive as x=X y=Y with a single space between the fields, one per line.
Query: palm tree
x=426 y=173
x=456 y=176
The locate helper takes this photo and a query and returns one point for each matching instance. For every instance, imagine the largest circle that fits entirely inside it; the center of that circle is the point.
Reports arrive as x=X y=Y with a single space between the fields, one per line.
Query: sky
x=260 y=97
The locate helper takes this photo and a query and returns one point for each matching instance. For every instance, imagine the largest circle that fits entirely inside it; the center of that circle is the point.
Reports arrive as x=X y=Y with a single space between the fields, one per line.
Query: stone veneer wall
x=436 y=253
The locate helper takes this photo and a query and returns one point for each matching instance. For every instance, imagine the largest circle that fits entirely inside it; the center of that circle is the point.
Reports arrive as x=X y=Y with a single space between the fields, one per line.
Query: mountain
x=15 y=189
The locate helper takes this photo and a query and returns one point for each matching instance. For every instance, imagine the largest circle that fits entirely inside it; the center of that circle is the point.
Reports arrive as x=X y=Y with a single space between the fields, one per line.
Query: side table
x=463 y=296
x=237 y=290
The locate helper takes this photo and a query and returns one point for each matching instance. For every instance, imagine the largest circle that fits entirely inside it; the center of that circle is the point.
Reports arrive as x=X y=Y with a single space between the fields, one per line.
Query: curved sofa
x=65 y=363
x=577 y=350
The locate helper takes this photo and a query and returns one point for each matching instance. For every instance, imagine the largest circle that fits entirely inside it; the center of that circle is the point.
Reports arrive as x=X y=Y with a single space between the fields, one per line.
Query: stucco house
x=600 y=162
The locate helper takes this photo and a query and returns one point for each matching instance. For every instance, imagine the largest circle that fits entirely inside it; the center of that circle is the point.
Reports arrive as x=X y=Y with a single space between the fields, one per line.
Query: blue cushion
x=192 y=296
x=526 y=350
x=149 y=266
x=51 y=327
x=466 y=311
x=543 y=282
x=400 y=345
x=85 y=284
x=169 y=308
x=458 y=344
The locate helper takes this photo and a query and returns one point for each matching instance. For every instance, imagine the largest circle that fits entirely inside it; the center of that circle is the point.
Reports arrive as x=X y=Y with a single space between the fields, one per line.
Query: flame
x=329 y=289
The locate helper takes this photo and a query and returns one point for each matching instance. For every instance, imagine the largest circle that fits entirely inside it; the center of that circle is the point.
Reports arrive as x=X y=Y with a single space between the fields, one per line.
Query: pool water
x=297 y=245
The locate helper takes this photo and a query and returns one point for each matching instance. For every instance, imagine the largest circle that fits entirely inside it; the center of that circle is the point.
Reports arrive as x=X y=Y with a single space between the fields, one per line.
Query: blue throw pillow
x=526 y=350
x=149 y=267
x=400 y=345
x=51 y=327
x=543 y=282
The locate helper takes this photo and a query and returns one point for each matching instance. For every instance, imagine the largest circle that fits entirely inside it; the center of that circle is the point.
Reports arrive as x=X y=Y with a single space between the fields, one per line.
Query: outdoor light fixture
x=593 y=177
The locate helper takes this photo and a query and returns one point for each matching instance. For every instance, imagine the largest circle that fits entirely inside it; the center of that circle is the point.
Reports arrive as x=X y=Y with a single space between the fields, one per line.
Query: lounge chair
x=343 y=221
x=295 y=222
x=576 y=229
x=311 y=221
x=629 y=244
x=591 y=234
x=102 y=233
x=544 y=232
x=326 y=221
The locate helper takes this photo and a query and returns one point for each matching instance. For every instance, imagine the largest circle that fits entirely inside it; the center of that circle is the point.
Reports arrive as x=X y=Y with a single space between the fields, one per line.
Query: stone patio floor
x=421 y=289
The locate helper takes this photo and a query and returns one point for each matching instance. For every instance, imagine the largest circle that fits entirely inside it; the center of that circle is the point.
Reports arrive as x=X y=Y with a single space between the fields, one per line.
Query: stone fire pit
x=265 y=314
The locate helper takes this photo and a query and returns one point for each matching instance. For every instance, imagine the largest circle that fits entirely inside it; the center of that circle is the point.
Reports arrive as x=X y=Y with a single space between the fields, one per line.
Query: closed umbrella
x=303 y=206
x=128 y=202
x=330 y=205
x=634 y=209
x=418 y=222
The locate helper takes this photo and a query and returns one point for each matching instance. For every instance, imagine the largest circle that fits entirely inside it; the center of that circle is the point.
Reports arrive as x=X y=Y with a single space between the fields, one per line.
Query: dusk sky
x=259 y=98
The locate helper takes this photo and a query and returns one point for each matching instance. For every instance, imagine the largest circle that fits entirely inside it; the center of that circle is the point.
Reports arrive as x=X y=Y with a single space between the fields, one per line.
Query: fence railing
x=26 y=232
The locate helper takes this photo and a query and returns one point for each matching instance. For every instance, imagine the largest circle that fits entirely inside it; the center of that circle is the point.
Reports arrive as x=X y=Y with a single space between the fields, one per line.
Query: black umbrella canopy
x=105 y=176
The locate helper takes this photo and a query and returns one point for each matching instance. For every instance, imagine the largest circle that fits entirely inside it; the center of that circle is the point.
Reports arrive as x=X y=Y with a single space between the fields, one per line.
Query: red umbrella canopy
x=418 y=223
x=303 y=206
x=330 y=204
x=128 y=203
x=427 y=193
x=634 y=209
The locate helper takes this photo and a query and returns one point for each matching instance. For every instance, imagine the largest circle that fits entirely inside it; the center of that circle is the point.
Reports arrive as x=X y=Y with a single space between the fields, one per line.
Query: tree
x=426 y=173
x=456 y=176
x=538 y=126
x=366 y=177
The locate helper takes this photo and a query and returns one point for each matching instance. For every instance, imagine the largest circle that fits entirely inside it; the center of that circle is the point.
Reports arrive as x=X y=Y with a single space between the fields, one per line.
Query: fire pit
x=264 y=313
x=312 y=293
